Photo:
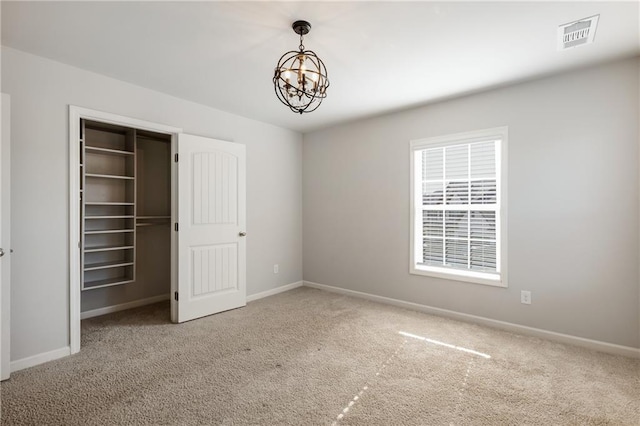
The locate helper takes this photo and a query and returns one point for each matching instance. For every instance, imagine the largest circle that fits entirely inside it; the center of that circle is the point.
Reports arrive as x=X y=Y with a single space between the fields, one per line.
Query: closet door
x=211 y=227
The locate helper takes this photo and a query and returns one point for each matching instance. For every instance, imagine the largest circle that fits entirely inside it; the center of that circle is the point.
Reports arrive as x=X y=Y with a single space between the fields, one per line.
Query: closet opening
x=125 y=217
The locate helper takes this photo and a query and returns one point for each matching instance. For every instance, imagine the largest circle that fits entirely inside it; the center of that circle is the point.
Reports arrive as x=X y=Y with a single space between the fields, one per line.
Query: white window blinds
x=457 y=207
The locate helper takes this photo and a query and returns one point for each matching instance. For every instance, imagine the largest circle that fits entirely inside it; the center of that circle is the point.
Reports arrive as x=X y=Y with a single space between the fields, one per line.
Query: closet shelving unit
x=125 y=198
x=108 y=197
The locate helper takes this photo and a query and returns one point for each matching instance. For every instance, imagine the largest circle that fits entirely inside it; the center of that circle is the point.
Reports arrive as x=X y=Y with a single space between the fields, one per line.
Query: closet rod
x=151 y=138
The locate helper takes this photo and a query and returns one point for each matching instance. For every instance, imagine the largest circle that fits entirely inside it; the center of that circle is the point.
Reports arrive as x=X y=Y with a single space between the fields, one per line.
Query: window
x=458 y=217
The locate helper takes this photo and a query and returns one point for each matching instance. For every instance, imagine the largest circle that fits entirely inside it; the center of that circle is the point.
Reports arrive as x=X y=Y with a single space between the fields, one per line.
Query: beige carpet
x=307 y=357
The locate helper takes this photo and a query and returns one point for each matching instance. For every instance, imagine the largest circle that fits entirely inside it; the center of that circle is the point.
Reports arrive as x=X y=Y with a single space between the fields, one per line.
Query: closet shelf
x=107 y=203
x=107 y=231
x=106 y=265
x=110 y=217
x=153 y=217
x=99 y=176
x=107 y=151
x=96 y=249
x=106 y=283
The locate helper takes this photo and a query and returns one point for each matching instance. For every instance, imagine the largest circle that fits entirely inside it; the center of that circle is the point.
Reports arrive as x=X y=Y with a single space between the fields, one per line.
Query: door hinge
x=175 y=296
x=175 y=158
x=176 y=226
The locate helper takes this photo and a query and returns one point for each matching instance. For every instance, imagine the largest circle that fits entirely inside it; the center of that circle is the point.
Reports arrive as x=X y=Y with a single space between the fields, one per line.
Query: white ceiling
x=381 y=56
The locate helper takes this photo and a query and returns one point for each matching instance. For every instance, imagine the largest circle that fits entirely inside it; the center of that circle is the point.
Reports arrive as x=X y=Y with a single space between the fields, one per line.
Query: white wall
x=573 y=198
x=41 y=91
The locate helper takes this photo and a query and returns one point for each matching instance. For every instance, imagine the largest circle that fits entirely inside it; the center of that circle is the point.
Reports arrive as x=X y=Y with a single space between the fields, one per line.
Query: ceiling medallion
x=300 y=79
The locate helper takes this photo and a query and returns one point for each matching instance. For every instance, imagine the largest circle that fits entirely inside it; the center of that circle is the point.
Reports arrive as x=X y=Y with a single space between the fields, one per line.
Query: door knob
x=1 y=252
x=242 y=234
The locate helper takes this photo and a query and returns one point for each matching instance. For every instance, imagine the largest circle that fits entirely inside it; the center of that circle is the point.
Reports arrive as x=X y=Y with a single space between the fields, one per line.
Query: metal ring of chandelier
x=300 y=79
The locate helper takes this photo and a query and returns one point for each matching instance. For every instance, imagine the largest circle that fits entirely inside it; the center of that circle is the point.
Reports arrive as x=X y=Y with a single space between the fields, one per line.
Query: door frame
x=77 y=113
x=5 y=241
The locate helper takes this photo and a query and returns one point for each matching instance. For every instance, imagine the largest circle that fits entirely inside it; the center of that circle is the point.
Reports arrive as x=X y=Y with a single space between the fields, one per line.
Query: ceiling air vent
x=577 y=33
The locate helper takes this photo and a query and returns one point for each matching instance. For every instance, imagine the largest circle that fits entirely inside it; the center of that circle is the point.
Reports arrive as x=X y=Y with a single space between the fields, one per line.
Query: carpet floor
x=308 y=357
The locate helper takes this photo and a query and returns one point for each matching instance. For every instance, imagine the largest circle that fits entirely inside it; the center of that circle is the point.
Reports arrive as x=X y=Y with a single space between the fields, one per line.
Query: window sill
x=494 y=280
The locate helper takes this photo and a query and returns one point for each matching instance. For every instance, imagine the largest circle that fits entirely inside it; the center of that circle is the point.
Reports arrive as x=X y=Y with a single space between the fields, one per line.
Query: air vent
x=577 y=33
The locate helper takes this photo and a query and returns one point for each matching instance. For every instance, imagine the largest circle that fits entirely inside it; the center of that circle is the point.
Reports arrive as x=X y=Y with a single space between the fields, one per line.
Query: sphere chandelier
x=300 y=79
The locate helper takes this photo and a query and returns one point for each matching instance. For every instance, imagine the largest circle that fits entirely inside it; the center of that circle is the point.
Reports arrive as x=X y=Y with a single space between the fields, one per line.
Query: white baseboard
x=520 y=329
x=34 y=360
x=273 y=291
x=123 y=306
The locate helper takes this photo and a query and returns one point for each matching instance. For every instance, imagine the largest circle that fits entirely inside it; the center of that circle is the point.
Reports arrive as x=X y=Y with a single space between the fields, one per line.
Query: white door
x=211 y=227
x=5 y=249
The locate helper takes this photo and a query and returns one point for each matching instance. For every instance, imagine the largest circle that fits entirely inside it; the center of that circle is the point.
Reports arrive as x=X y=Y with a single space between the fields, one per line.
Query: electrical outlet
x=525 y=297
x=276 y=268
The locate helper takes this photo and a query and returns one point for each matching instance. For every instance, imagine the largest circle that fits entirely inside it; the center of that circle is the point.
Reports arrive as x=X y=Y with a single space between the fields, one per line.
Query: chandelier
x=300 y=79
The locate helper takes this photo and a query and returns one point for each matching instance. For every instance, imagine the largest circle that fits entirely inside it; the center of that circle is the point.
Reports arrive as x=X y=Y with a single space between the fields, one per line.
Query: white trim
x=274 y=291
x=75 y=114
x=121 y=120
x=491 y=279
x=5 y=240
x=123 y=306
x=38 y=359
x=516 y=328
x=456 y=138
x=174 y=234
x=74 y=230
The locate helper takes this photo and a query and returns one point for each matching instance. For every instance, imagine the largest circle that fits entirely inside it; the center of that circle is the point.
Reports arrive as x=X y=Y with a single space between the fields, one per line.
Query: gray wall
x=572 y=203
x=41 y=91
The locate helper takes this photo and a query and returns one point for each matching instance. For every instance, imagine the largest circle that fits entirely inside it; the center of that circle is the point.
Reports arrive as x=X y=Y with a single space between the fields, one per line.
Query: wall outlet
x=525 y=297
x=276 y=268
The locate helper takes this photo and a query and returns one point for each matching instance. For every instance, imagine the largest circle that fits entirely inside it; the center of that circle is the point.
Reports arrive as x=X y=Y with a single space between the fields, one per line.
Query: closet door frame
x=76 y=114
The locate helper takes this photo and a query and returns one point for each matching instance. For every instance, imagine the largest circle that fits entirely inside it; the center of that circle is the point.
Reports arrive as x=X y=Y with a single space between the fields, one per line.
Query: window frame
x=498 y=279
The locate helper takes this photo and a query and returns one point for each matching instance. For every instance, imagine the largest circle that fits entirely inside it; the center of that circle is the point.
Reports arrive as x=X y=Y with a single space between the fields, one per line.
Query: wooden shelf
x=106 y=265
x=107 y=203
x=110 y=217
x=153 y=217
x=107 y=151
x=88 y=285
x=98 y=176
x=96 y=249
x=108 y=231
